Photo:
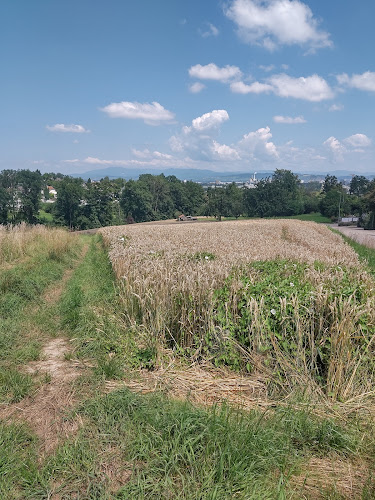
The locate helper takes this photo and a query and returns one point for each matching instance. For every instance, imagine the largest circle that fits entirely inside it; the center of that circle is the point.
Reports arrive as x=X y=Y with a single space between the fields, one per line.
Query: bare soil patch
x=45 y=411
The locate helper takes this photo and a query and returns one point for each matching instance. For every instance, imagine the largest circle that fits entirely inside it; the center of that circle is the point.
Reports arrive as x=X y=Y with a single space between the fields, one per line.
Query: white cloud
x=211 y=31
x=151 y=114
x=311 y=88
x=366 y=81
x=288 y=119
x=336 y=107
x=210 y=120
x=277 y=22
x=358 y=141
x=196 y=87
x=224 y=152
x=336 y=148
x=146 y=154
x=213 y=72
x=258 y=144
x=253 y=88
x=197 y=139
x=61 y=127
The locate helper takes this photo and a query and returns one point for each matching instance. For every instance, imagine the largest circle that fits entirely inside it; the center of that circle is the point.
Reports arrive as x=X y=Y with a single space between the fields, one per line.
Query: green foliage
x=20 y=195
x=14 y=385
x=18 y=460
x=278 y=196
x=69 y=195
x=273 y=309
x=156 y=197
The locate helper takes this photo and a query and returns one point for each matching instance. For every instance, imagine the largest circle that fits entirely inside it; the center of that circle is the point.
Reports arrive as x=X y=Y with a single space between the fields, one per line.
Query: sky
x=235 y=85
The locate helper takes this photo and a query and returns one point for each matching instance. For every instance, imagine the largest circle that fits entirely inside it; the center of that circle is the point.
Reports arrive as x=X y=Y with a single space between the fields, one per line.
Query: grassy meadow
x=217 y=360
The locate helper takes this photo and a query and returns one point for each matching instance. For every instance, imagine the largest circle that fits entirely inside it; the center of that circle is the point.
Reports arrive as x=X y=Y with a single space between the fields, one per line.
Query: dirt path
x=358 y=234
x=46 y=410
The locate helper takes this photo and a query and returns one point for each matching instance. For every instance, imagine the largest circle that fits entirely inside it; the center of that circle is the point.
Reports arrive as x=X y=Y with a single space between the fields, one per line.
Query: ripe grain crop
x=306 y=317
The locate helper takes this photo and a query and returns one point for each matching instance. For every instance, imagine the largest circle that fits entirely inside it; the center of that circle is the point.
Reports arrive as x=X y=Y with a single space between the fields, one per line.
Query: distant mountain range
x=203 y=176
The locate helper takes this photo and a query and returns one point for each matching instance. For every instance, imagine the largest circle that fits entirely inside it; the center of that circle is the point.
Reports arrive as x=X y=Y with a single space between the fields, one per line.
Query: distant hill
x=203 y=176
x=189 y=174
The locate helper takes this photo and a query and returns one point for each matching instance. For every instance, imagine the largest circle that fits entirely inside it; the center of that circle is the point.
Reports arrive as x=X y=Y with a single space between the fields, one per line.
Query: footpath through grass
x=134 y=446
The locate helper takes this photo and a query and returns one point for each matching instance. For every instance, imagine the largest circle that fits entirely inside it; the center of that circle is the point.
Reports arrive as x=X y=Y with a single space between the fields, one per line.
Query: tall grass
x=196 y=288
x=21 y=241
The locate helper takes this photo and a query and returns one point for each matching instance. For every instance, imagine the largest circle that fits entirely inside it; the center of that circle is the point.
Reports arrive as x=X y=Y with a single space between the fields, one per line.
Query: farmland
x=212 y=360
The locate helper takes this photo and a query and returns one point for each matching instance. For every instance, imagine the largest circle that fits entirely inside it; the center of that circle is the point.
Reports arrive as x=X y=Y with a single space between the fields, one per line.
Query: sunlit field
x=285 y=298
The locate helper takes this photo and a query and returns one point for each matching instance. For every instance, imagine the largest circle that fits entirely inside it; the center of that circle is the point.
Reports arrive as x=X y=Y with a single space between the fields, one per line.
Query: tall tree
x=29 y=192
x=359 y=185
x=136 y=202
x=70 y=192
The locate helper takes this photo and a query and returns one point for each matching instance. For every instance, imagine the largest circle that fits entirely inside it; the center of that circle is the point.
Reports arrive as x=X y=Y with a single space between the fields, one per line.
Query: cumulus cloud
x=198 y=139
x=358 y=141
x=210 y=120
x=224 y=152
x=213 y=72
x=288 y=119
x=253 y=88
x=61 y=127
x=272 y=23
x=258 y=143
x=211 y=31
x=366 y=81
x=196 y=87
x=311 y=88
x=151 y=114
x=146 y=154
x=336 y=148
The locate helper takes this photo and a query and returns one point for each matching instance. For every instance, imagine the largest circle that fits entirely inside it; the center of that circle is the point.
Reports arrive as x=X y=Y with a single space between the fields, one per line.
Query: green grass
x=366 y=254
x=45 y=217
x=313 y=217
x=91 y=313
x=159 y=448
x=25 y=317
x=18 y=460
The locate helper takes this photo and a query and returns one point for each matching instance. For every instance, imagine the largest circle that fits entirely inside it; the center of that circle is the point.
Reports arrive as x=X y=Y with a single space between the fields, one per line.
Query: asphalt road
x=358 y=234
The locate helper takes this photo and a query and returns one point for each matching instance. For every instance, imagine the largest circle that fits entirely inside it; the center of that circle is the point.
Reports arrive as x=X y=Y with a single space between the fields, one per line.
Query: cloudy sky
x=233 y=85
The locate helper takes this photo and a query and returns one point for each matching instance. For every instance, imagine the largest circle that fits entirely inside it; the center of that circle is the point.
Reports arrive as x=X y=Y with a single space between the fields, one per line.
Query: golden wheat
x=169 y=274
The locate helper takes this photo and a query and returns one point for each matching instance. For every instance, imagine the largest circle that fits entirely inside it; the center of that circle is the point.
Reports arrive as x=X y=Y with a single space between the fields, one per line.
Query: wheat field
x=194 y=287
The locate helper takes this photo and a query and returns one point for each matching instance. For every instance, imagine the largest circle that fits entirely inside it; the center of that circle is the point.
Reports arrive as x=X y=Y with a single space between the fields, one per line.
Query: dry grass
x=324 y=476
x=201 y=384
x=21 y=241
x=169 y=274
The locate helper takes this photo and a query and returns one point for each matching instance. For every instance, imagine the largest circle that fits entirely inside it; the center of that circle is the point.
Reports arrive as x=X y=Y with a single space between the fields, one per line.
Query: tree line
x=89 y=204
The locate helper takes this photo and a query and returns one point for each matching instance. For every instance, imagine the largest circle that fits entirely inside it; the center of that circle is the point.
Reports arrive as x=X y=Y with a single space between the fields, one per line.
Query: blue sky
x=236 y=85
